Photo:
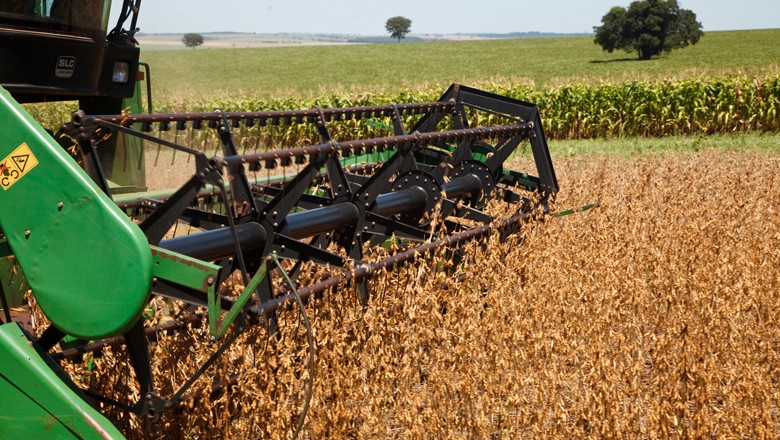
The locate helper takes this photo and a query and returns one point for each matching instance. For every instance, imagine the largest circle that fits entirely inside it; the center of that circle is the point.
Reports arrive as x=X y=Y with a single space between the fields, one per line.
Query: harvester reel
x=320 y=205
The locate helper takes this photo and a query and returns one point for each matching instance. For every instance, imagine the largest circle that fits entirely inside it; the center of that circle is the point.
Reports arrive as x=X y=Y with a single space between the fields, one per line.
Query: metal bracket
x=218 y=325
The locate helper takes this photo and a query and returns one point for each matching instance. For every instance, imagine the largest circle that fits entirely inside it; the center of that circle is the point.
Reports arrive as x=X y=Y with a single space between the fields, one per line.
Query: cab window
x=78 y=17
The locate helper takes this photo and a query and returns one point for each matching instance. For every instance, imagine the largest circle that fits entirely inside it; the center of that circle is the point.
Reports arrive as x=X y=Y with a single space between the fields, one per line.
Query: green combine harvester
x=94 y=249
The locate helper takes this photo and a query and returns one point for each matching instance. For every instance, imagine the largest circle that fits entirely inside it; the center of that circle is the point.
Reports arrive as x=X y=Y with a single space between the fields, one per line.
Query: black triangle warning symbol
x=20 y=161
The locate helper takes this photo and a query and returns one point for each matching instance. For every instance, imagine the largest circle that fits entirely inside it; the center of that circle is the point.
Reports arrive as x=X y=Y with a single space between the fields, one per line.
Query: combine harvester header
x=259 y=219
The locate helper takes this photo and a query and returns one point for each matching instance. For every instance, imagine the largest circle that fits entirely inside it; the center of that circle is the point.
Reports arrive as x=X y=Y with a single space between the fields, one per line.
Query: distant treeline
x=528 y=35
x=372 y=40
x=436 y=37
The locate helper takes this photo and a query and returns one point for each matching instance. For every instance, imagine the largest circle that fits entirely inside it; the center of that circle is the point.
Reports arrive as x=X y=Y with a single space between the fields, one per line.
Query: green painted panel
x=183 y=270
x=87 y=264
x=38 y=401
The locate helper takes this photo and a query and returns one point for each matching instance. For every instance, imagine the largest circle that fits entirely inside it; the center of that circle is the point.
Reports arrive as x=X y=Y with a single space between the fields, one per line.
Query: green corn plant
x=696 y=105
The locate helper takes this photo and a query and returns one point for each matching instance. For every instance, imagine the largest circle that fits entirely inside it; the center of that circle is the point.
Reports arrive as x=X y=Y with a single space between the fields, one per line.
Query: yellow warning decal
x=16 y=165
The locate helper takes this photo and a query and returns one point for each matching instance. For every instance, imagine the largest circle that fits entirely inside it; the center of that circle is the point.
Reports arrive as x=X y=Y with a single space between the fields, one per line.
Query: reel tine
x=176 y=141
x=157 y=156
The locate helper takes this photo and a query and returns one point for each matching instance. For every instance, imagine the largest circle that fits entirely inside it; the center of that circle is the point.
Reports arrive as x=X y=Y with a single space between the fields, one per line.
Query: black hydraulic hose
x=310 y=340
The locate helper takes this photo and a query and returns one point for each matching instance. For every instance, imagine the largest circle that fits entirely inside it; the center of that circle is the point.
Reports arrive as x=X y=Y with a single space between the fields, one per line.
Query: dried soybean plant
x=652 y=316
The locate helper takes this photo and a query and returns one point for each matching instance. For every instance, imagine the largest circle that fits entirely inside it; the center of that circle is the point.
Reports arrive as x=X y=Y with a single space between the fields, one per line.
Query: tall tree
x=648 y=27
x=398 y=27
x=192 y=40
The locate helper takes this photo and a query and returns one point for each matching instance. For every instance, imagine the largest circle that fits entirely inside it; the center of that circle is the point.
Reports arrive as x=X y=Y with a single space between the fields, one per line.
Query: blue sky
x=428 y=16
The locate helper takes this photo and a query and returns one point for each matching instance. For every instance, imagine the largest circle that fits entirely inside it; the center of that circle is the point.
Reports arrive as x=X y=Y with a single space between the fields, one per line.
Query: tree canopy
x=648 y=27
x=398 y=27
x=192 y=40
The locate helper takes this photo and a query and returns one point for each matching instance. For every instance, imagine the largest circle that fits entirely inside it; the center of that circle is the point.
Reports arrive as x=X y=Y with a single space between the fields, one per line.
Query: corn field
x=700 y=105
x=650 y=316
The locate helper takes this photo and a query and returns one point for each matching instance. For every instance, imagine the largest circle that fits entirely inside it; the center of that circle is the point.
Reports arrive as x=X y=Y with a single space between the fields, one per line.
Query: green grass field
x=299 y=72
x=641 y=146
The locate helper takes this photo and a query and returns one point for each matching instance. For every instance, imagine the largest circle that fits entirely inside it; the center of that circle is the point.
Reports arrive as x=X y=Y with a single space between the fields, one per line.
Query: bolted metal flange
x=428 y=184
x=483 y=173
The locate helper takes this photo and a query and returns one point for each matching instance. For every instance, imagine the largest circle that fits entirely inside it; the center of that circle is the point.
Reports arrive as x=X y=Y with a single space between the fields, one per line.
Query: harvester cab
x=67 y=50
x=55 y=50
x=251 y=230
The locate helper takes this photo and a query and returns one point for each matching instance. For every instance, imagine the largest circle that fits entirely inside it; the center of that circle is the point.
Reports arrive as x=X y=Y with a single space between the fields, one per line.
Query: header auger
x=258 y=219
